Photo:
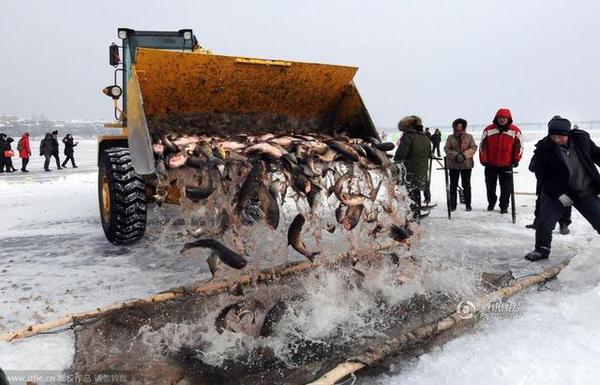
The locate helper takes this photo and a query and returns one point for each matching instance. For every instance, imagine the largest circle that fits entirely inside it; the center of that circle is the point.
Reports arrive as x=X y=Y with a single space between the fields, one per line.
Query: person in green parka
x=3 y=380
x=414 y=152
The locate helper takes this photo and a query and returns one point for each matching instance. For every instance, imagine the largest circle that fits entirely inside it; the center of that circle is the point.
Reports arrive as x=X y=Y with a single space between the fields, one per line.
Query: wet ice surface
x=54 y=260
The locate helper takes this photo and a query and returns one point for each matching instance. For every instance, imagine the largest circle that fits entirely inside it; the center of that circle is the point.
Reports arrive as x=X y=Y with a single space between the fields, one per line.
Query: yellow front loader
x=169 y=84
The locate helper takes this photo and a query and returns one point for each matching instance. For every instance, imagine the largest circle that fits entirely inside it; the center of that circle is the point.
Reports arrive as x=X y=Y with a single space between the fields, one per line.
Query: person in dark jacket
x=55 y=149
x=500 y=151
x=69 y=150
x=565 y=165
x=6 y=153
x=414 y=152
x=563 y=222
x=460 y=148
x=46 y=149
x=436 y=139
x=3 y=145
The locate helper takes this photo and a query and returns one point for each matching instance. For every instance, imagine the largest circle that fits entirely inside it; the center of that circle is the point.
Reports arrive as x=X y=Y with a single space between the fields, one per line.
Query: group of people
x=564 y=163
x=49 y=148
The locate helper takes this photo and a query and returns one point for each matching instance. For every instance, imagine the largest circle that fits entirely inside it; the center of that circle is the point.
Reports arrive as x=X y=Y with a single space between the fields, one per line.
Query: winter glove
x=459 y=158
x=565 y=200
x=515 y=164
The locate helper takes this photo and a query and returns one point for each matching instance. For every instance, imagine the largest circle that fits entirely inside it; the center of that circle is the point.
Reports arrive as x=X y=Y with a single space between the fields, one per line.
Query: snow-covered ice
x=54 y=260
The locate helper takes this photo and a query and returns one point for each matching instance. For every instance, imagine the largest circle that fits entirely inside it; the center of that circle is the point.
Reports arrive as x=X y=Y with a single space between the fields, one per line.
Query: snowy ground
x=54 y=260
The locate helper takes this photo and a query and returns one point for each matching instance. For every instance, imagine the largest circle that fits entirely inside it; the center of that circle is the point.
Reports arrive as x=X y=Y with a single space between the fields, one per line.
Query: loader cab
x=123 y=56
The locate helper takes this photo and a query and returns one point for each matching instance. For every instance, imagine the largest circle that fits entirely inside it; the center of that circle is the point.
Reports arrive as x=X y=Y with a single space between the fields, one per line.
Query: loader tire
x=122 y=197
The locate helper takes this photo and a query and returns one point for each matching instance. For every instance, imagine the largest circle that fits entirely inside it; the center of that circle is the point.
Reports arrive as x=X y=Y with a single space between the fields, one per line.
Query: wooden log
x=396 y=344
x=205 y=288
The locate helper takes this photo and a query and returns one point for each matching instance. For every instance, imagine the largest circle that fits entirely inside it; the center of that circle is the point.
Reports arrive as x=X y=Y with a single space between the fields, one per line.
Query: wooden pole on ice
x=206 y=288
x=396 y=344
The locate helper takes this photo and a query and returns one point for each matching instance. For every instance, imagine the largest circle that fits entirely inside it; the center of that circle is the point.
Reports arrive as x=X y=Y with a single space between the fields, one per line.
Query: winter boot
x=564 y=229
x=469 y=208
x=491 y=207
x=530 y=226
x=503 y=210
x=538 y=253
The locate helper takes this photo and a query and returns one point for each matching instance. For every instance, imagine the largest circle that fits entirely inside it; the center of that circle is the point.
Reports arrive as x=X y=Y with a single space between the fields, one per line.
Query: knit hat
x=559 y=126
x=411 y=121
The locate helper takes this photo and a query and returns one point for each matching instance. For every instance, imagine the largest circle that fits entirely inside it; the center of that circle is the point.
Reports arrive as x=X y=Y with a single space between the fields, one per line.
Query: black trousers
x=69 y=157
x=563 y=220
x=24 y=162
x=551 y=209
x=436 y=148
x=47 y=162
x=465 y=178
x=9 y=164
x=494 y=174
x=55 y=155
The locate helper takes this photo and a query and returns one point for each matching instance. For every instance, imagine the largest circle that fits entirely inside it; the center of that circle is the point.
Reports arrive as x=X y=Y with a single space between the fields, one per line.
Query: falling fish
x=400 y=234
x=294 y=237
x=273 y=317
x=226 y=255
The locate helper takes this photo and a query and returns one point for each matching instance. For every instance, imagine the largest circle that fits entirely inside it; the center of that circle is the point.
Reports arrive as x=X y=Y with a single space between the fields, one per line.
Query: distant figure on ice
x=55 y=149
x=427 y=133
x=24 y=149
x=460 y=148
x=565 y=165
x=436 y=139
x=500 y=150
x=69 y=150
x=414 y=152
x=46 y=149
x=6 y=154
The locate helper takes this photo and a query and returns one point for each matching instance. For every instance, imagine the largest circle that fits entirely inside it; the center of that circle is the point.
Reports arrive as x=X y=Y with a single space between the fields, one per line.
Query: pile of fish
x=244 y=180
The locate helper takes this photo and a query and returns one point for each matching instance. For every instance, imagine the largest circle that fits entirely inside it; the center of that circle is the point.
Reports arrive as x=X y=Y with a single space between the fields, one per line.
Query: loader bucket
x=218 y=95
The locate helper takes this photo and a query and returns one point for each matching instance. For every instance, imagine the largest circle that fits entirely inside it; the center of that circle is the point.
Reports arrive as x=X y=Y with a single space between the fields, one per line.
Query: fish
x=273 y=317
x=344 y=149
x=250 y=185
x=371 y=216
x=376 y=230
x=294 y=240
x=213 y=263
x=221 y=319
x=351 y=199
x=373 y=194
x=231 y=145
x=300 y=182
x=200 y=232
x=169 y=145
x=330 y=228
x=312 y=195
x=269 y=206
x=329 y=156
x=339 y=213
x=158 y=149
x=226 y=255
x=372 y=140
x=264 y=148
x=352 y=217
x=338 y=186
x=279 y=189
x=203 y=191
x=176 y=160
x=384 y=146
x=284 y=141
x=400 y=234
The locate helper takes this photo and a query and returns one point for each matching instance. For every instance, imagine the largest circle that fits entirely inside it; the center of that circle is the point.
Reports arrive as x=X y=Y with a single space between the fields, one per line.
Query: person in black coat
x=3 y=144
x=69 y=150
x=564 y=163
x=55 y=149
x=436 y=139
x=6 y=161
x=46 y=149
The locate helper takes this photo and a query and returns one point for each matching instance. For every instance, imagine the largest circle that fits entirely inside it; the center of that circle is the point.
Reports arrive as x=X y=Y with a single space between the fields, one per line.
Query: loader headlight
x=122 y=34
x=187 y=34
x=113 y=91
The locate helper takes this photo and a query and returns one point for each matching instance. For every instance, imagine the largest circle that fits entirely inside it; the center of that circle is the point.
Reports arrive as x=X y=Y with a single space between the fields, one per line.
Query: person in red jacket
x=500 y=150
x=24 y=151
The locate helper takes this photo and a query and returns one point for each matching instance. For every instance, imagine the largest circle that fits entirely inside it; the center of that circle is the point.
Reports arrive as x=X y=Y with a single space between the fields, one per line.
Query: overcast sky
x=438 y=59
